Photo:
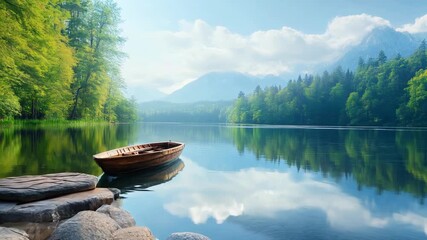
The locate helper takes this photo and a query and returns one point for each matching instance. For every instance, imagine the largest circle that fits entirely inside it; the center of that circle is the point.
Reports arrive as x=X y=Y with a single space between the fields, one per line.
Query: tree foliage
x=379 y=92
x=59 y=59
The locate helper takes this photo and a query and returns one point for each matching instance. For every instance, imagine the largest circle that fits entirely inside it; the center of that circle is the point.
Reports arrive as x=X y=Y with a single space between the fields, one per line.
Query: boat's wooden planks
x=132 y=158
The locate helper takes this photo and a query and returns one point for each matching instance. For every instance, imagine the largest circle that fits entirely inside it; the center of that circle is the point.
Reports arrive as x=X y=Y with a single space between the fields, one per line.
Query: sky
x=170 y=43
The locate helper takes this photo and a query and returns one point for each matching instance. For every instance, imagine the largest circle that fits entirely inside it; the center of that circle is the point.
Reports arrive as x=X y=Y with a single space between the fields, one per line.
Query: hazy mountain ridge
x=143 y=94
x=221 y=86
x=160 y=111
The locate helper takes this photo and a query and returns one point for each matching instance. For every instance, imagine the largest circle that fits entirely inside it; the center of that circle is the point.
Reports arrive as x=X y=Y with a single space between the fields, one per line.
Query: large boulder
x=86 y=225
x=133 y=233
x=35 y=231
x=187 y=236
x=12 y=234
x=55 y=209
x=32 y=188
x=121 y=216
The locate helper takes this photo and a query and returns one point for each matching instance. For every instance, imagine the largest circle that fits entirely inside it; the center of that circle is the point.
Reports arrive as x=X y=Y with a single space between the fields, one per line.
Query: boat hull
x=131 y=162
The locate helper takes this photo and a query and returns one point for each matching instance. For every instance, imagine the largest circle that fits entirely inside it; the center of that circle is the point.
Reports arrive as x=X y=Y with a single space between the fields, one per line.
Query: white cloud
x=420 y=25
x=350 y=30
x=169 y=59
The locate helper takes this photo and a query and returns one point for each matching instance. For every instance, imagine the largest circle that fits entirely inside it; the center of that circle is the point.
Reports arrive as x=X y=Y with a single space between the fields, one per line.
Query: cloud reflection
x=265 y=193
x=412 y=219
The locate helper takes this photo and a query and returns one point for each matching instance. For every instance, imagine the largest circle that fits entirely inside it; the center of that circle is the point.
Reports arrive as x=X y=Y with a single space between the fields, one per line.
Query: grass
x=51 y=122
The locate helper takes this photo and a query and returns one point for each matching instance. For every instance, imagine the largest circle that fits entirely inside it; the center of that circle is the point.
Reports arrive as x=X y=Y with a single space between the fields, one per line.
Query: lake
x=250 y=182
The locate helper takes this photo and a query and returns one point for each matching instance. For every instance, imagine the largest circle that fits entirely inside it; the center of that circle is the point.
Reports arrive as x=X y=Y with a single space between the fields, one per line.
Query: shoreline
x=67 y=206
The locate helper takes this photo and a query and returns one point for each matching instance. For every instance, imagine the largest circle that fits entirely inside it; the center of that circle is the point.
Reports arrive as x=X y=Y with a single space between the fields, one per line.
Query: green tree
x=35 y=60
x=9 y=102
x=354 y=109
x=95 y=36
x=417 y=103
x=257 y=105
x=240 y=111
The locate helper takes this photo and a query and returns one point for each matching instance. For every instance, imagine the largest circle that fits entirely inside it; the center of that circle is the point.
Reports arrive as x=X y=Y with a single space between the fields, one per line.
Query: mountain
x=144 y=94
x=221 y=86
x=386 y=39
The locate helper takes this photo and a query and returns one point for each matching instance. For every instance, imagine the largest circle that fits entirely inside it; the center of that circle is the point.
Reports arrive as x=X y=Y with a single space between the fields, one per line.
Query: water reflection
x=258 y=193
x=252 y=182
x=139 y=181
x=265 y=195
x=56 y=148
x=411 y=218
x=387 y=160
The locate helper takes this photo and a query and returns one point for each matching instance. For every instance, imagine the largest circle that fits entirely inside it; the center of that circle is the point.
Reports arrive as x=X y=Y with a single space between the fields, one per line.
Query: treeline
x=379 y=92
x=207 y=112
x=59 y=59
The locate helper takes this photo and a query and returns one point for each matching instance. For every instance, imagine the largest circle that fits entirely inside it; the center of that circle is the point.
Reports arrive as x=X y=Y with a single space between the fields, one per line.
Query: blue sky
x=171 y=42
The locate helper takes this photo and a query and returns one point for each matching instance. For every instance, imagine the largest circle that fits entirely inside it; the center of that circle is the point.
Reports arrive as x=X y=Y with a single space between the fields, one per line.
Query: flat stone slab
x=32 y=188
x=55 y=209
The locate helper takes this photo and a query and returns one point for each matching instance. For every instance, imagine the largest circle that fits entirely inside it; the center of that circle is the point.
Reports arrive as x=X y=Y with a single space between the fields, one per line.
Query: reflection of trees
x=386 y=160
x=38 y=150
x=416 y=152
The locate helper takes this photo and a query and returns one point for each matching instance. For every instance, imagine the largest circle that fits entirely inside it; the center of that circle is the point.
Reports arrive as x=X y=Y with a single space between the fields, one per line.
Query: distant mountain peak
x=386 y=35
x=379 y=39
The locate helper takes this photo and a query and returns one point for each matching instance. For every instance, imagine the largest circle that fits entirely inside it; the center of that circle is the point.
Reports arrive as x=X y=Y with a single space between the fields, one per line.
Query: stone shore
x=67 y=206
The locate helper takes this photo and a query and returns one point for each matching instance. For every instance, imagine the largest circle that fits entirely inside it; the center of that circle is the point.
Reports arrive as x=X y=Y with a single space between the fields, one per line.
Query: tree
x=34 y=57
x=382 y=58
x=240 y=111
x=60 y=59
x=419 y=59
x=417 y=104
x=354 y=108
x=9 y=102
x=94 y=33
x=125 y=110
x=257 y=106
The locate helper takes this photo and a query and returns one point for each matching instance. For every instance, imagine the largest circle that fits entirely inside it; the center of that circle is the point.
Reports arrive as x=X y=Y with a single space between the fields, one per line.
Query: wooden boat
x=138 y=157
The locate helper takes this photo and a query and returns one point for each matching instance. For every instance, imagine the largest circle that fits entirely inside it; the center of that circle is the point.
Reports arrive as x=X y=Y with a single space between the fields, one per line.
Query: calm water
x=251 y=182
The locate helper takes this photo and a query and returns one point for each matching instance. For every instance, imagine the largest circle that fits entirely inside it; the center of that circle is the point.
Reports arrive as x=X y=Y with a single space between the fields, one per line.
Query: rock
x=121 y=216
x=116 y=192
x=86 y=225
x=55 y=209
x=133 y=233
x=187 y=236
x=13 y=234
x=32 y=188
x=34 y=230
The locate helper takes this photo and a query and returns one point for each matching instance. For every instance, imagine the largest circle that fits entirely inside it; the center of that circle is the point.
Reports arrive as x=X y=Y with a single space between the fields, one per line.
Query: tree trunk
x=77 y=95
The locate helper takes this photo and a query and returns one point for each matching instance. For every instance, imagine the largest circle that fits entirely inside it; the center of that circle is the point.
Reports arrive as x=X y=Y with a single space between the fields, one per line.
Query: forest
x=60 y=59
x=380 y=92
